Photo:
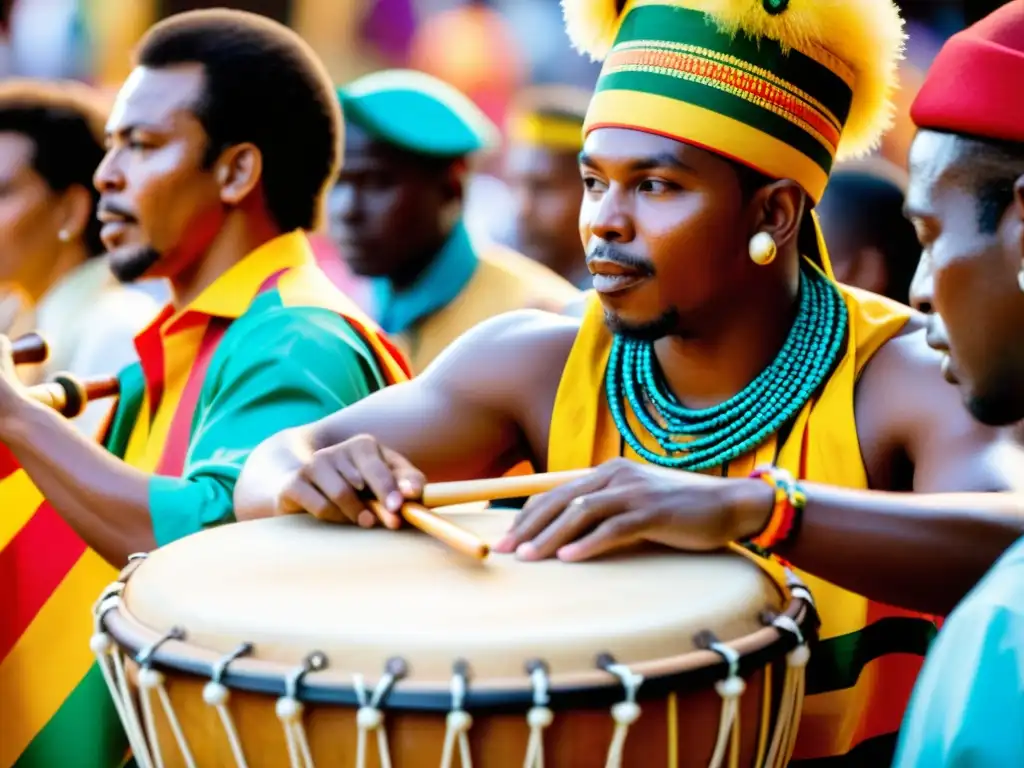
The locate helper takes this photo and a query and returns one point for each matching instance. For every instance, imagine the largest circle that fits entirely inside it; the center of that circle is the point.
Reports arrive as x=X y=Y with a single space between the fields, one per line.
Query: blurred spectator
x=51 y=261
x=397 y=215
x=871 y=243
x=545 y=136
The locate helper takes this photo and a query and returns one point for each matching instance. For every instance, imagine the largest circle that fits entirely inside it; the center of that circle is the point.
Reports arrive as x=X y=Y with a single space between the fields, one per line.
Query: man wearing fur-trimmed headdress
x=717 y=344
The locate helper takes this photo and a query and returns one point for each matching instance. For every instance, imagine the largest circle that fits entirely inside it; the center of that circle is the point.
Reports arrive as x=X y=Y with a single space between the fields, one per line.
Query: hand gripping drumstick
x=69 y=396
x=30 y=348
x=418 y=516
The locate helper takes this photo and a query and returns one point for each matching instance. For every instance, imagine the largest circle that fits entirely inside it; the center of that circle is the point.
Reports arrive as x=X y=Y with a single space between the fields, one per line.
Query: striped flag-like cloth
x=55 y=709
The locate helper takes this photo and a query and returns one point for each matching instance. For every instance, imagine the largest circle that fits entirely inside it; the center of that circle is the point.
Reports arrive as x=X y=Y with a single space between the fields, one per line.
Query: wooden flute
x=64 y=393
x=68 y=395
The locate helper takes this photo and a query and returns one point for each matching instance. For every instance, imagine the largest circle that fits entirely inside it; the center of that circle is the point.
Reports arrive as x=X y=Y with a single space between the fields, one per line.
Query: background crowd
x=504 y=48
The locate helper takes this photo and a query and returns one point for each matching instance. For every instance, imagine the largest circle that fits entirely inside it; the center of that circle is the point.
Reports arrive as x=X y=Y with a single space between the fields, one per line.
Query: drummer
x=397 y=215
x=545 y=136
x=695 y=218
x=220 y=147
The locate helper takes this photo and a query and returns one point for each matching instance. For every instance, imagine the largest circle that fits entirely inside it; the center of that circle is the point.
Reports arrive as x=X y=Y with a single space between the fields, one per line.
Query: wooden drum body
x=288 y=642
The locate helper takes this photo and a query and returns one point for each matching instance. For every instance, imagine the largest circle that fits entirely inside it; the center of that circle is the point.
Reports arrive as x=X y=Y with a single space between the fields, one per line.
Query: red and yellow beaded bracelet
x=787 y=512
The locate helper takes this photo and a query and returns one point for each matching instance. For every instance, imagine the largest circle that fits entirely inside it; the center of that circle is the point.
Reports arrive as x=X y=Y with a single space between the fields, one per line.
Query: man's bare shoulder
x=907 y=410
x=903 y=380
x=516 y=348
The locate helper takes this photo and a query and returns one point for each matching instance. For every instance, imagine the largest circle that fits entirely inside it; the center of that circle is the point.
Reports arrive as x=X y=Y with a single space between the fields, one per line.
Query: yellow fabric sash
x=822 y=447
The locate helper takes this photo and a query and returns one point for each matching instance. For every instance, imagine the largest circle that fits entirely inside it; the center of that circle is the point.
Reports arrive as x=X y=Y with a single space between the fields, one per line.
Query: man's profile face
x=969 y=277
x=665 y=229
x=29 y=217
x=384 y=208
x=546 y=191
x=161 y=209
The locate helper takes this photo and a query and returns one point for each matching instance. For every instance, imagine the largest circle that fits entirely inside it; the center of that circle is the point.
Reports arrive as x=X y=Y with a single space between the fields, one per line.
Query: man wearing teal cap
x=397 y=215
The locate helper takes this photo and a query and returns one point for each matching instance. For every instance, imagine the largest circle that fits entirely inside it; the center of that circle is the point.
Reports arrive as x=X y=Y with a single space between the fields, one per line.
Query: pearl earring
x=64 y=236
x=762 y=249
x=1020 y=278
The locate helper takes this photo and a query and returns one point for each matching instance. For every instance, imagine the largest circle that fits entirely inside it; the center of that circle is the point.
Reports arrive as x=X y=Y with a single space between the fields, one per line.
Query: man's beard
x=132 y=262
x=998 y=408
x=659 y=328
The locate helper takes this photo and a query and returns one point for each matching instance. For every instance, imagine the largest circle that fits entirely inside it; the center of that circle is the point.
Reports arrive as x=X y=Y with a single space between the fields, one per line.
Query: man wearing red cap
x=966 y=199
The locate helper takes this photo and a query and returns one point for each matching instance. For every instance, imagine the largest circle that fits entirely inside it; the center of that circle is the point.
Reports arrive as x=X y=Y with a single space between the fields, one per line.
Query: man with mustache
x=397 y=215
x=966 y=200
x=219 y=149
x=717 y=344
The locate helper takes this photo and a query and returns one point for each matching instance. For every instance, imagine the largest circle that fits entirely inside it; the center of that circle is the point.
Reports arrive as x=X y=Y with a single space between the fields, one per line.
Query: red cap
x=974 y=84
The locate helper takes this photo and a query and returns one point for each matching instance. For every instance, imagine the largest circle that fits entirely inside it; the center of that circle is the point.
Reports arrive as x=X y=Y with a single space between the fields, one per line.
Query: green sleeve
x=296 y=365
x=132 y=388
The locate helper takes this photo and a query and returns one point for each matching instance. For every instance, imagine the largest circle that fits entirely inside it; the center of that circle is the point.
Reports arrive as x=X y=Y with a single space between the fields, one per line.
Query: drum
x=290 y=642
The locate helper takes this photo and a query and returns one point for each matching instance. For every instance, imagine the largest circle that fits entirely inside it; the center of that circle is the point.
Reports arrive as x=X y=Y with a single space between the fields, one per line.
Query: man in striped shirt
x=220 y=146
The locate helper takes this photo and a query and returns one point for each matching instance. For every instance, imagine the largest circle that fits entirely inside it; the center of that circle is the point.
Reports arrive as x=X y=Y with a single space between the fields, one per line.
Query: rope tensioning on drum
x=112 y=668
x=217 y=695
x=791 y=703
x=152 y=679
x=370 y=716
x=540 y=715
x=799 y=591
x=730 y=689
x=625 y=712
x=289 y=711
x=459 y=721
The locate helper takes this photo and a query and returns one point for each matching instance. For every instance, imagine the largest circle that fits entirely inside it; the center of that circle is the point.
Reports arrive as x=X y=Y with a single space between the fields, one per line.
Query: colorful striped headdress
x=786 y=87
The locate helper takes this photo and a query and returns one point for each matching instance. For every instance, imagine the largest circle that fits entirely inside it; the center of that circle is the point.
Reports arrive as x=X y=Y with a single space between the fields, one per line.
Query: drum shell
x=577 y=738
x=680 y=708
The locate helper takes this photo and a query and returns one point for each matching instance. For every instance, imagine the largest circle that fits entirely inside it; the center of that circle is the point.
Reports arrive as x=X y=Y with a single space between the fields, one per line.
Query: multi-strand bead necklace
x=710 y=437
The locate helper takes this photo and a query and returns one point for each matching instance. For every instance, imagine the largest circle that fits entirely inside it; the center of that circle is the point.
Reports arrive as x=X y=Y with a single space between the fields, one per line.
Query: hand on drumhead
x=340 y=483
x=623 y=503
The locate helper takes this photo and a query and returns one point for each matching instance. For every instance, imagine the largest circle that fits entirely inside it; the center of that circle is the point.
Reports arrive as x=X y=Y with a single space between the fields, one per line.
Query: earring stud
x=762 y=249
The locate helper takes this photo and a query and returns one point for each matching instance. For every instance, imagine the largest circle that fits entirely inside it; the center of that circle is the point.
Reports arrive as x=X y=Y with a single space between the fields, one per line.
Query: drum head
x=293 y=585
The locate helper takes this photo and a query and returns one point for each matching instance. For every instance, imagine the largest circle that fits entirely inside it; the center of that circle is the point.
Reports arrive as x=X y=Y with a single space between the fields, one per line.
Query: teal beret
x=417 y=112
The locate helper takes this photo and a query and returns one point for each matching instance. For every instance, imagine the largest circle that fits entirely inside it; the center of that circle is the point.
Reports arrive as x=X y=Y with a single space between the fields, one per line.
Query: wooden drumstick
x=445 y=531
x=30 y=348
x=467 y=491
x=69 y=396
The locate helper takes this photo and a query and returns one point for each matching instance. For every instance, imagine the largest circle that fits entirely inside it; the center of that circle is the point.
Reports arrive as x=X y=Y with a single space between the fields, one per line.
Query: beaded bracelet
x=787 y=512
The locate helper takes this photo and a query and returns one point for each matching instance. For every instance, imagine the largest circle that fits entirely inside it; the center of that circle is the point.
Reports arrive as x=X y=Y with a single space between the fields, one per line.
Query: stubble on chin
x=132 y=263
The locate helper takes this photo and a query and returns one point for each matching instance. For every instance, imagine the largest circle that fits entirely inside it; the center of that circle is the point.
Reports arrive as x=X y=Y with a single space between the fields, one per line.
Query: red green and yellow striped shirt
x=269 y=345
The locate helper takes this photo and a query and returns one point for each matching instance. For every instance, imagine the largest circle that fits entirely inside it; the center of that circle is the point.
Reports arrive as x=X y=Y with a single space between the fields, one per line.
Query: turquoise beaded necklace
x=714 y=436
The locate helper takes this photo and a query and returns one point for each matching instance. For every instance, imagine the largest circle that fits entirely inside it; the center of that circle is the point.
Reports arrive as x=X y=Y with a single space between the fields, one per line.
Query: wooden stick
x=445 y=531
x=102 y=388
x=30 y=348
x=467 y=491
x=68 y=396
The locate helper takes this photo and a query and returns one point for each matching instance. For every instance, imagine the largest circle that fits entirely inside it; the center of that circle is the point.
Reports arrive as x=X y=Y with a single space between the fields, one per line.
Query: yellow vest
x=864 y=666
x=503 y=281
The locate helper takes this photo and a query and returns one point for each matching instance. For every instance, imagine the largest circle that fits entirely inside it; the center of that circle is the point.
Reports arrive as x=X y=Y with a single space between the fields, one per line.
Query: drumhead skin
x=293 y=585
